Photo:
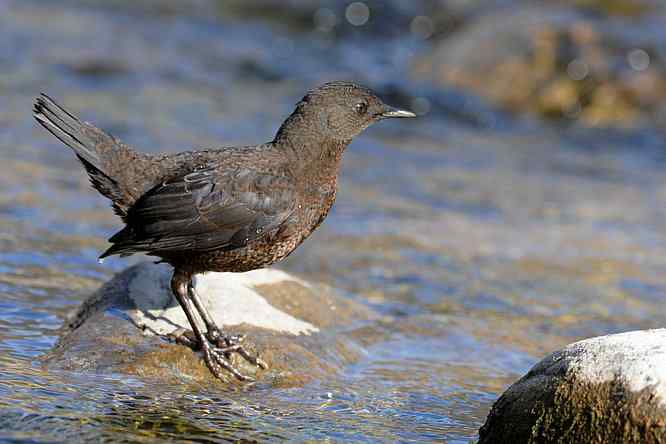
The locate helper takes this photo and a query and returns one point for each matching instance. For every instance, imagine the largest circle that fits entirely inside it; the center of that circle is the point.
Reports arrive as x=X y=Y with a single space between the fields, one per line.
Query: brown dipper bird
x=225 y=209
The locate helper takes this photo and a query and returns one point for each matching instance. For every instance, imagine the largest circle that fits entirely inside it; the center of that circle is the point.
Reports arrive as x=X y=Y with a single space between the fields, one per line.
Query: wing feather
x=206 y=209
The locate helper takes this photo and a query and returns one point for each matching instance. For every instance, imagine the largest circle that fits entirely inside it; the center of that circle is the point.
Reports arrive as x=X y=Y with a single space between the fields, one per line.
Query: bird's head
x=338 y=111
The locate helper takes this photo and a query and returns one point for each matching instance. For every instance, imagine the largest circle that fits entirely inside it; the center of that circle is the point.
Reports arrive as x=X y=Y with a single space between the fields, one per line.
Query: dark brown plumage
x=229 y=209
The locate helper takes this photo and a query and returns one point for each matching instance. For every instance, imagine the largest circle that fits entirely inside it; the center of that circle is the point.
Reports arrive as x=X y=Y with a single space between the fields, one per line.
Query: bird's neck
x=310 y=150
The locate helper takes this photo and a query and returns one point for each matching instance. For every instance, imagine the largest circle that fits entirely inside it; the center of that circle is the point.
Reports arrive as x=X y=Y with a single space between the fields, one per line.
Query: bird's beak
x=395 y=112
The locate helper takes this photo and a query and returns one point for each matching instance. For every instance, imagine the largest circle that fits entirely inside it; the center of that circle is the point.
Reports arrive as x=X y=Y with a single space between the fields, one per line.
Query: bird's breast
x=318 y=200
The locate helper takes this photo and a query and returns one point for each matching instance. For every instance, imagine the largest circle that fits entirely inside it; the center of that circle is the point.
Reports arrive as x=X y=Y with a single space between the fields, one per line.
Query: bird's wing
x=207 y=209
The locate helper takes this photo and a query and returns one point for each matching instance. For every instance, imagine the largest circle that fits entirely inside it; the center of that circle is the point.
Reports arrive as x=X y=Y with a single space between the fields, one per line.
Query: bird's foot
x=184 y=337
x=217 y=359
x=217 y=349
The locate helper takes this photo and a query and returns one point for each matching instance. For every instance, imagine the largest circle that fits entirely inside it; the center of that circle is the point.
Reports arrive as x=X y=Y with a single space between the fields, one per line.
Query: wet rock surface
x=302 y=331
x=609 y=389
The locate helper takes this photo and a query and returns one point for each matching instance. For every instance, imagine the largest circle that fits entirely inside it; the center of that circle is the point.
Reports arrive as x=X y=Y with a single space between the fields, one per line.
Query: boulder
x=557 y=63
x=609 y=389
x=303 y=331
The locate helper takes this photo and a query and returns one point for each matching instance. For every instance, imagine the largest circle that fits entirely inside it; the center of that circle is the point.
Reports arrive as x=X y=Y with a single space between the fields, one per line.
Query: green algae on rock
x=610 y=389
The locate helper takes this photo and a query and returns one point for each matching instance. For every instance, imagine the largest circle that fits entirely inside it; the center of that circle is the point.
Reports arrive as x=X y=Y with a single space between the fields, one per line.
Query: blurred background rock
x=592 y=63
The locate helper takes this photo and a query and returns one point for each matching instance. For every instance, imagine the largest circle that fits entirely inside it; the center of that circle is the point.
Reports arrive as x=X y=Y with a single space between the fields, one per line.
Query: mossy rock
x=610 y=389
x=303 y=331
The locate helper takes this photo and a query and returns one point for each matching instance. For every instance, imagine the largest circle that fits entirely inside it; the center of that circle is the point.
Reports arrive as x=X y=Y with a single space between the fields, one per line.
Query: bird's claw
x=221 y=340
x=216 y=361
x=184 y=337
x=217 y=349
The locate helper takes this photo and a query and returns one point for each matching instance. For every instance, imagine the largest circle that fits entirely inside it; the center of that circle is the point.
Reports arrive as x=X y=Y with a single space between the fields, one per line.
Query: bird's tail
x=94 y=147
x=68 y=129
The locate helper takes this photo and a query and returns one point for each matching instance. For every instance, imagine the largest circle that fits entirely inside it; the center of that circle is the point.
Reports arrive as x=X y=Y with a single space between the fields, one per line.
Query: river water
x=488 y=240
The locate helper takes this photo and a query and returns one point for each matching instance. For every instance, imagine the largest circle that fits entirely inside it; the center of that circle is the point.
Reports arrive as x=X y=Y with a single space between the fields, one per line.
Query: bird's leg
x=214 y=358
x=214 y=332
x=226 y=344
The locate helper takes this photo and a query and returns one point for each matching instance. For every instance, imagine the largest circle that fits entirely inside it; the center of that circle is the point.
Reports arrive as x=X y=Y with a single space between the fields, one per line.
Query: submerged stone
x=609 y=389
x=303 y=331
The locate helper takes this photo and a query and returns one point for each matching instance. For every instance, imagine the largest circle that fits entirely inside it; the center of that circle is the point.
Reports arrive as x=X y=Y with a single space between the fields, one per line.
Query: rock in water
x=609 y=389
x=299 y=328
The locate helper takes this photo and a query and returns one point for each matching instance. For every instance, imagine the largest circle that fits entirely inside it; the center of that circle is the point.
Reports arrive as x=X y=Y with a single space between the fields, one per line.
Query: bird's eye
x=361 y=107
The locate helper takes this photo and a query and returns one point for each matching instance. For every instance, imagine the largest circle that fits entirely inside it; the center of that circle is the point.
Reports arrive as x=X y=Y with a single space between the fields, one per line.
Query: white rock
x=606 y=389
x=636 y=357
x=231 y=298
